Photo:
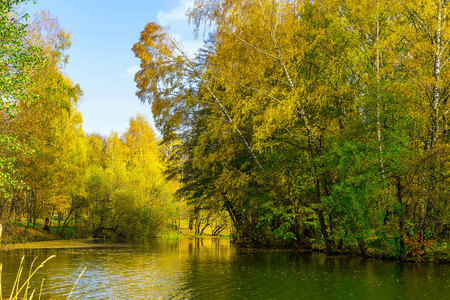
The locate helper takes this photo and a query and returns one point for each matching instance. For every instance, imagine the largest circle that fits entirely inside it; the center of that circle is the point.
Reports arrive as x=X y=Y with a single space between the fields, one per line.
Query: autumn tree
x=308 y=122
x=17 y=58
x=51 y=126
x=127 y=194
x=151 y=193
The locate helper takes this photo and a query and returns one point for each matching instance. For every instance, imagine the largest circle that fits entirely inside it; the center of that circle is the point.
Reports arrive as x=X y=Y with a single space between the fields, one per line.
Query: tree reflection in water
x=212 y=268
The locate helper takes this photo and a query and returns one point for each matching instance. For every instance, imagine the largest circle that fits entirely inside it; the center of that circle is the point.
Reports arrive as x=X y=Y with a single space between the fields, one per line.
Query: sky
x=101 y=60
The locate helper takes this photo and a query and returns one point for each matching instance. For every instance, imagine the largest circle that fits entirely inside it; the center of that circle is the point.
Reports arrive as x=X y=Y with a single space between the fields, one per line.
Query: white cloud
x=192 y=46
x=178 y=37
x=179 y=27
x=132 y=70
x=176 y=14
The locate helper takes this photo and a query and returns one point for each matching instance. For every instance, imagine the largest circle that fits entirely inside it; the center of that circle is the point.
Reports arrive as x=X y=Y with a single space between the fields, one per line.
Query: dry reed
x=24 y=287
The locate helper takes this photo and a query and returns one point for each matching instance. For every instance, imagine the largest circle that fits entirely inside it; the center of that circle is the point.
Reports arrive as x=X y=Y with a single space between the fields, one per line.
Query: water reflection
x=215 y=269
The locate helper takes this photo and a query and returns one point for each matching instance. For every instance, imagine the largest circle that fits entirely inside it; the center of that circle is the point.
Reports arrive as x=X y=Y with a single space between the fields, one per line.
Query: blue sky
x=101 y=60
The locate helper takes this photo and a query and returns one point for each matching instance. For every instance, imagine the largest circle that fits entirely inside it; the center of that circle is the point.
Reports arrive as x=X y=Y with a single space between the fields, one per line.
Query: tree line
x=50 y=170
x=310 y=123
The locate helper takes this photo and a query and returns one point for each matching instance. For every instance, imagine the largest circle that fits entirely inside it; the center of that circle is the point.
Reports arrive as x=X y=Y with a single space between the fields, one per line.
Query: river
x=209 y=268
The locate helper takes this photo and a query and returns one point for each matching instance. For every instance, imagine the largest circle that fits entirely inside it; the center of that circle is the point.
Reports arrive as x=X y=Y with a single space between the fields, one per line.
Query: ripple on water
x=208 y=269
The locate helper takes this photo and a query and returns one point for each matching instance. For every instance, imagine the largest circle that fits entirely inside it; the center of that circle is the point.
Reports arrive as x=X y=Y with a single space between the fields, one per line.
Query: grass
x=186 y=232
x=21 y=231
x=19 y=288
x=23 y=288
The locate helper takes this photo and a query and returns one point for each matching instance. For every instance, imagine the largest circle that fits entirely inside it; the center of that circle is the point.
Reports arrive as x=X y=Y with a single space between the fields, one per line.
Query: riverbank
x=433 y=257
x=21 y=237
x=36 y=238
x=55 y=244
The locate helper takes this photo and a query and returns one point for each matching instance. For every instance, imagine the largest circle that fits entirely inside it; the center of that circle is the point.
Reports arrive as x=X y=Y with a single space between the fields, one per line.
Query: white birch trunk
x=436 y=97
x=379 y=140
x=203 y=81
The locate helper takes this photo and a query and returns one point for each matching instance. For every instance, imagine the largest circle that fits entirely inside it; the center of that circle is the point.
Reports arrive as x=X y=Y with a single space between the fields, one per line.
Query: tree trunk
x=434 y=130
x=324 y=229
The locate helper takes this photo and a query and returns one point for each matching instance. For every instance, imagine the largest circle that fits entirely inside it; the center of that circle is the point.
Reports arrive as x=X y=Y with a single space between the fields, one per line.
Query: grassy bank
x=20 y=236
x=23 y=235
x=21 y=232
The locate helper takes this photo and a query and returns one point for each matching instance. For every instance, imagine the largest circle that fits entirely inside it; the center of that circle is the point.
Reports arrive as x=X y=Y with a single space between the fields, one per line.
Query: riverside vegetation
x=55 y=178
x=19 y=288
x=308 y=124
x=23 y=290
x=313 y=124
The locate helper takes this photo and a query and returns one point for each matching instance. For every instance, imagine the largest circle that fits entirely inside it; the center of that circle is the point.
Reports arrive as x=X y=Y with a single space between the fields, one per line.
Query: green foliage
x=48 y=167
x=8 y=173
x=313 y=122
x=17 y=57
x=276 y=223
x=127 y=195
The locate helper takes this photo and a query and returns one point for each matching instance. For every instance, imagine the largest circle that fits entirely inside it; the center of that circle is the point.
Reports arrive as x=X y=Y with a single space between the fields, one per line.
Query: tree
x=126 y=191
x=17 y=57
x=317 y=122
x=151 y=193
x=50 y=126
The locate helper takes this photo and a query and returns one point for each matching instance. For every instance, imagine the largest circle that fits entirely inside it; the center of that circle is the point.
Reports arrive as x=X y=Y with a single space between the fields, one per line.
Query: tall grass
x=24 y=287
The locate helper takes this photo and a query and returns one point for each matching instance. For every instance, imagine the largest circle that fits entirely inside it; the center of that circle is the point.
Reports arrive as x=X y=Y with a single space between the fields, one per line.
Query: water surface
x=215 y=269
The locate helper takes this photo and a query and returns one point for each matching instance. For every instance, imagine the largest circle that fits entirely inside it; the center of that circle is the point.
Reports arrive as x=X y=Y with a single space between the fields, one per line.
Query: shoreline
x=54 y=244
x=73 y=243
x=439 y=258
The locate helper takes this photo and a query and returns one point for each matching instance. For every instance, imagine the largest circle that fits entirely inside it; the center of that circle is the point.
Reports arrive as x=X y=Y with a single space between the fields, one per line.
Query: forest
x=306 y=124
x=52 y=173
x=313 y=124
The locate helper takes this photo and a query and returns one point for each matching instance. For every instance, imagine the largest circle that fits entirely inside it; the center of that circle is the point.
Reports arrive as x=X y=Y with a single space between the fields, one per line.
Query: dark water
x=214 y=269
